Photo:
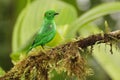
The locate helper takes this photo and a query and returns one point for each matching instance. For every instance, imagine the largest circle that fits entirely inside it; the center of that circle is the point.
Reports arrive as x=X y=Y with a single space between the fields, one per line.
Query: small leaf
x=2 y=72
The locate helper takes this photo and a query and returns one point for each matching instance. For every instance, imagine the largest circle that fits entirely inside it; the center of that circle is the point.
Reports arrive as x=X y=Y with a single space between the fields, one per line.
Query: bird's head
x=50 y=14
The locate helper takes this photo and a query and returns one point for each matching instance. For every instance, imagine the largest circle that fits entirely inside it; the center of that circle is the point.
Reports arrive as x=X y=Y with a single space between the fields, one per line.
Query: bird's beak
x=56 y=13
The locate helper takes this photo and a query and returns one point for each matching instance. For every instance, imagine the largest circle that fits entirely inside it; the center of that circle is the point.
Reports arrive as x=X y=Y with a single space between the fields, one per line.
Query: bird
x=47 y=31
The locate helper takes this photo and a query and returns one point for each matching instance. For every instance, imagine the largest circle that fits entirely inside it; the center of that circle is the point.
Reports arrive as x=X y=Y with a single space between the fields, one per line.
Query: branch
x=65 y=57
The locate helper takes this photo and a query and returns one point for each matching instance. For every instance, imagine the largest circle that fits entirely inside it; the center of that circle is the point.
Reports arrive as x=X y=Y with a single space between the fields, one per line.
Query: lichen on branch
x=66 y=57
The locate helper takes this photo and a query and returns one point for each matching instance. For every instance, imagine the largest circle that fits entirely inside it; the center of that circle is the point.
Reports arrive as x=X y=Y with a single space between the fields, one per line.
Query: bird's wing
x=38 y=38
x=44 y=32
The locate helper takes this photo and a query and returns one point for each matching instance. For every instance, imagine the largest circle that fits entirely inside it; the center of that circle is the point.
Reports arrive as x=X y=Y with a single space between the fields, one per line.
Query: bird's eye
x=49 y=13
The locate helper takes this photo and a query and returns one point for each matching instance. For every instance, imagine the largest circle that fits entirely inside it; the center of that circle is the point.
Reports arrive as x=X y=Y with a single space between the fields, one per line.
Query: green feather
x=47 y=31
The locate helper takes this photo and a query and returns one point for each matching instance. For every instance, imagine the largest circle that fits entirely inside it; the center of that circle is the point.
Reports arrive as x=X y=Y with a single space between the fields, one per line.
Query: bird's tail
x=29 y=50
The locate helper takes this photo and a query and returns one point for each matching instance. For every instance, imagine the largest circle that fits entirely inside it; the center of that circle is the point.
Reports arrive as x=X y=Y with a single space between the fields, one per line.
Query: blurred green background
x=10 y=9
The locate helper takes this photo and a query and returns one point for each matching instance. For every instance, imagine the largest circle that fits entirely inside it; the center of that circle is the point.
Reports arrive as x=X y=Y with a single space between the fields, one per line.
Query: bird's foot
x=41 y=48
x=36 y=50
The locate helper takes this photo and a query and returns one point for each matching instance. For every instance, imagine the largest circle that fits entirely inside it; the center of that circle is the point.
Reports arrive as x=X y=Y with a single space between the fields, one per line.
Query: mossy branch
x=66 y=57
